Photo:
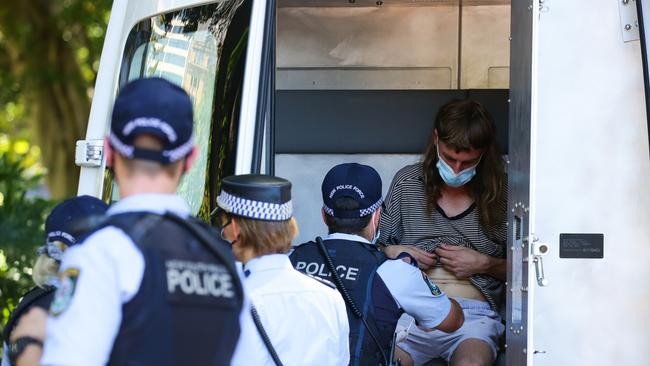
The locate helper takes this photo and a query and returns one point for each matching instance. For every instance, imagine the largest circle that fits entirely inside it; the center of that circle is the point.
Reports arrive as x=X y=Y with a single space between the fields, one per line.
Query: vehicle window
x=188 y=47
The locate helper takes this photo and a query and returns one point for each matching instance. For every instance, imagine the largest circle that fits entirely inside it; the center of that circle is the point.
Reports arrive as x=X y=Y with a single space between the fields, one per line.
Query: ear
x=324 y=215
x=108 y=152
x=377 y=216
x=189 y=161
x=235 y=227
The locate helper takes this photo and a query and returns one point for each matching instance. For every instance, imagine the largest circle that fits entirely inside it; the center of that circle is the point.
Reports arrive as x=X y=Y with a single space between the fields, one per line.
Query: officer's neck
x=139 y=184
x=366 y=233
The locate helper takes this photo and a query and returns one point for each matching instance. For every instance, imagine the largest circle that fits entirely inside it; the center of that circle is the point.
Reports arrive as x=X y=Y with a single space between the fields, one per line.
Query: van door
x=643 y=16
x=589 y=196
x=219 y=53
x=520 y=288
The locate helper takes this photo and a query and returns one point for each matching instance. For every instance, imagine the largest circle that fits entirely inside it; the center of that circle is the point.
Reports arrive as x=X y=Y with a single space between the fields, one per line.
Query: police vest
x=356 y=264
x=186 y=311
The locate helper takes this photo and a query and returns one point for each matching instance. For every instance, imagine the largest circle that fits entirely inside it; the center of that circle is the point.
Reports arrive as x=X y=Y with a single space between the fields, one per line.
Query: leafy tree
x=49 y=55
x=21 y=219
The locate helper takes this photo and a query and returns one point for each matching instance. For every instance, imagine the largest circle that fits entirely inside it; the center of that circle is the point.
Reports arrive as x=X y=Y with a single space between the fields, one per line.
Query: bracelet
x=17 y=347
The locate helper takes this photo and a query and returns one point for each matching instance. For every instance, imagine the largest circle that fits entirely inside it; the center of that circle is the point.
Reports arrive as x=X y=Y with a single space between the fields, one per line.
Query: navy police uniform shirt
x=98 y=279
x=400 y=287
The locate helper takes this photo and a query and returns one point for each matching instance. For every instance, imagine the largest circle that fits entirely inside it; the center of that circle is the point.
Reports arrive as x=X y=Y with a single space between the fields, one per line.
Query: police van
x=293 y=87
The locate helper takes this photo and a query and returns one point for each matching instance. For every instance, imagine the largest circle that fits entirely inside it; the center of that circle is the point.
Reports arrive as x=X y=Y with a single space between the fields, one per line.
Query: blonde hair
x=267 y=237
x=45 y=268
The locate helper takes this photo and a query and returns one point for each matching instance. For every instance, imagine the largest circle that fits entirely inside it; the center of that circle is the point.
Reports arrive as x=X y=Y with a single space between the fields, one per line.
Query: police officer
x=147 y=288
x=61 y=228
x=304 y=320
x=382 y=290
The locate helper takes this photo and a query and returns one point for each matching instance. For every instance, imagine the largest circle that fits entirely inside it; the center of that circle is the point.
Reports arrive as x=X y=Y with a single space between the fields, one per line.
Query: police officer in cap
x=147 y=288
x=304 y=320
x=378 y=290
x=61 y=229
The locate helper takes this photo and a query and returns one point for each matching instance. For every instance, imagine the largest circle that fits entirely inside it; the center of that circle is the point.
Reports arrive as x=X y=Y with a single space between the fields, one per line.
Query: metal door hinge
x=629 y=20
x=89 y=153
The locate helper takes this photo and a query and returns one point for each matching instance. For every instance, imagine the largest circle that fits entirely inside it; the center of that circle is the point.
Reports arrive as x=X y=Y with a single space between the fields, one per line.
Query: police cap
x=359 y=182
x=256 y=196
x=156 y=107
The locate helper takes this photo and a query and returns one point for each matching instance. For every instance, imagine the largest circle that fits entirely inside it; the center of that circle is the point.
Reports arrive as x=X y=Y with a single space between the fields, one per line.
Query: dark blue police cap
x=156 y=107
x=58 y=225
x=356 y=181
x=256 y=196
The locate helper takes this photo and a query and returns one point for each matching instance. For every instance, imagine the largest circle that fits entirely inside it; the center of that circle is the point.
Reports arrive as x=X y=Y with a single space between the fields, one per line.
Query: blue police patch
x=435 y=290
x=65 y=291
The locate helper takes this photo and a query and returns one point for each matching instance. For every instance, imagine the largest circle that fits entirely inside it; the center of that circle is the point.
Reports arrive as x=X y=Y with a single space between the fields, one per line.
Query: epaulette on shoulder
x=412 y=261
x=321 y=280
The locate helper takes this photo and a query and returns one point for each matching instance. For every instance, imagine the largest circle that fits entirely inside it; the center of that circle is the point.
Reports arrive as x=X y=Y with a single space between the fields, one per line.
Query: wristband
x=17 y=347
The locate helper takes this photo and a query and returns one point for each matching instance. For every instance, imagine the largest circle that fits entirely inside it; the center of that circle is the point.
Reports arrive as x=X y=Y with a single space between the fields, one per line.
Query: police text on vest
x=318 y=269
x=198 y=278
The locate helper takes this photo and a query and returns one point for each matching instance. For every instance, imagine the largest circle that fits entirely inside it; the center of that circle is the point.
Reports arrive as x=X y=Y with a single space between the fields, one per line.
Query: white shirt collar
x=158 y=203
x=349 y=237
x=268 y=262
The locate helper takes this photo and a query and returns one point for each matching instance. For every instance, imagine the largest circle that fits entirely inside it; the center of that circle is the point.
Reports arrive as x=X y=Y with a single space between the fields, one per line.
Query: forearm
x=31 y=356
x=495 y=267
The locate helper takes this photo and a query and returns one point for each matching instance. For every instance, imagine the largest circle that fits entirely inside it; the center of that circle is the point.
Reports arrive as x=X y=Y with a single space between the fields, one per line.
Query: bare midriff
x=453 y=286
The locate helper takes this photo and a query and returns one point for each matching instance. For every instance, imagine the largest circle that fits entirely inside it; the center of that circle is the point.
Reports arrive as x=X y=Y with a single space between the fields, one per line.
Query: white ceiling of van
x=357 y=3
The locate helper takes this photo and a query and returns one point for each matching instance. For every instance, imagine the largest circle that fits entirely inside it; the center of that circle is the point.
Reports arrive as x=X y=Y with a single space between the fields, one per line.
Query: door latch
x=89 y=153
x=539 y=251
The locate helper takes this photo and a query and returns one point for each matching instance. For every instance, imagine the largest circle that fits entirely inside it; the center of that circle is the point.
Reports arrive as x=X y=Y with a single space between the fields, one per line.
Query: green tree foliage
x=49 y=55
x=21 y=219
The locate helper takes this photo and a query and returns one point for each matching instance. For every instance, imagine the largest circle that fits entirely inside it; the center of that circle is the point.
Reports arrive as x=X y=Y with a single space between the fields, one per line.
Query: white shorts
x=481 y=322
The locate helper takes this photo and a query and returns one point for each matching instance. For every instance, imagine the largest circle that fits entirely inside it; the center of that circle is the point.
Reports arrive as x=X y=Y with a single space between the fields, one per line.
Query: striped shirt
x=405 y=221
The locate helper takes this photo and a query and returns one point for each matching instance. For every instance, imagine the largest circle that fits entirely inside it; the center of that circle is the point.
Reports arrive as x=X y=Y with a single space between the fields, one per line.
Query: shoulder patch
x=435 y=290
x=65 y=291
x=321 y=280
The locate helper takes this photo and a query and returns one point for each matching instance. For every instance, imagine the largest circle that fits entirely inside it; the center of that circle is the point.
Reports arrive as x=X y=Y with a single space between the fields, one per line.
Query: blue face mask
x=452 y=179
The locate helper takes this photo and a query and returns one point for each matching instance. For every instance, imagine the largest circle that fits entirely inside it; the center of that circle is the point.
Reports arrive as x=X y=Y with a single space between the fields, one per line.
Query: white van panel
x=592 y=176
x=306 y=173
x=393 y=47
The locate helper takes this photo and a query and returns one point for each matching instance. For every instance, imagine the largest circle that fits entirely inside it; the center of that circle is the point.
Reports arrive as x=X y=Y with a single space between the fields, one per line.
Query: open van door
x=221 y=53
x=643 y=18
x=520 y=288
x=580 y=204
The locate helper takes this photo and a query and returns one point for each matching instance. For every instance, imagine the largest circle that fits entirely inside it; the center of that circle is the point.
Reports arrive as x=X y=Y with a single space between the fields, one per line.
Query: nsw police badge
x=65 y=291
x=435 y=290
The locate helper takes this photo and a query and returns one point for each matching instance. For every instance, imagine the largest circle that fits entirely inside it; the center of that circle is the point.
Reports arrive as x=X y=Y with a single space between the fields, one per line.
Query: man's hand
x=462 y=262
x=425 y=259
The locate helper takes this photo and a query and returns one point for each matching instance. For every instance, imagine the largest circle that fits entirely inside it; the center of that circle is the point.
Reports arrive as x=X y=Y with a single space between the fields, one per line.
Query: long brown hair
x=464 y=125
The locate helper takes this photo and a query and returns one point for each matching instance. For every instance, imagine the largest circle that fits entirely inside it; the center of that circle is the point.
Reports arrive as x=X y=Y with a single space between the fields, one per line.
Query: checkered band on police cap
x=256 y=196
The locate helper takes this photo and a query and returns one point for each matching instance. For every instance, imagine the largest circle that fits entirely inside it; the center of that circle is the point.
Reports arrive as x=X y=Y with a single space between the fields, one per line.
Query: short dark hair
x=353 y=226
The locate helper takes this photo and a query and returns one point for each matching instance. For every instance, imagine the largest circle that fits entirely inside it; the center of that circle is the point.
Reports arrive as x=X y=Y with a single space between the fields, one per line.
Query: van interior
x=361 y=81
